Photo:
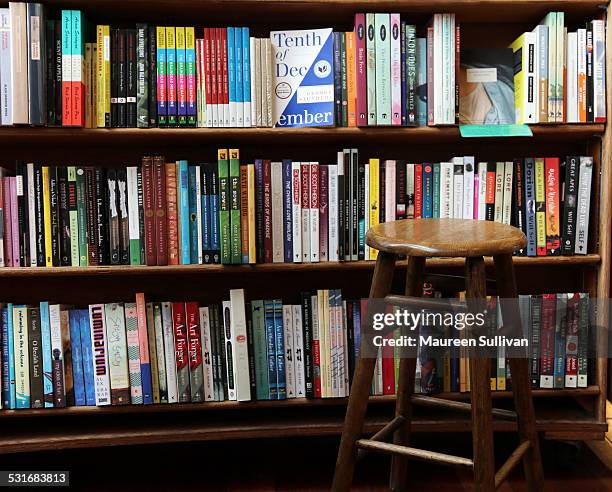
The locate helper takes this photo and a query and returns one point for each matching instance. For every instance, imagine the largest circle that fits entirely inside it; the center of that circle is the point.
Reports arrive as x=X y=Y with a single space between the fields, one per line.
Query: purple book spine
x=362 y=94
x=287 y=212
x=323 y=214
x=14 y=223
x=8 y=230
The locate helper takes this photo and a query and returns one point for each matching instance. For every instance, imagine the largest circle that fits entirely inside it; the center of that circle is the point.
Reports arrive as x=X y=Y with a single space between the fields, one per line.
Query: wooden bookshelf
x=561 y=414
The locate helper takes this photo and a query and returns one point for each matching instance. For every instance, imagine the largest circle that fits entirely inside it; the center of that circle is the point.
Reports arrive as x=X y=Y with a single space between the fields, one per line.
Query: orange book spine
x=172 y=214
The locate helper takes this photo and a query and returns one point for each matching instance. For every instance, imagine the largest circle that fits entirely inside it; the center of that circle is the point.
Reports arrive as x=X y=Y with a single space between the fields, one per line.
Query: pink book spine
x=14 y=223
x=360 y=70
x=476 y=188
x=396 y=71
x=6 y=207
x=323 y=212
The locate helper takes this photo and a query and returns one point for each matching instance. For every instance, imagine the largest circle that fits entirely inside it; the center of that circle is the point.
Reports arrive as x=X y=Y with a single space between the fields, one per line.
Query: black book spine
x=50 y=61
x=568 y=224
x=122 y=209
x=90 y=206
x=307 y=337
x=57 y=76
x=381 y=194
x=259 y=205
x=37 y=396
x=142 y=76
x=518 y=198
x=131 y=79
x=122 y=79
x=22 y=213
x=114 y=77
x=64 y=217
x=490 y=207
x=55 y=216
x=214 y=352
x=214 y=190
x=152 y=75
x=534 y=342
x=101 y=216
x=113 y=217
x=354 y=204
x=141 y=226
x=361 y=211
x=589 y=74
x=40 y=216
x=251 y=351
x=223 y=393
x=347 y=206
x=37 y=62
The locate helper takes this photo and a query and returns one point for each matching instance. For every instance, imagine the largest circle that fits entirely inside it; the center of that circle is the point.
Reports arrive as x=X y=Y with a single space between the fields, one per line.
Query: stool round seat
x=446 y=238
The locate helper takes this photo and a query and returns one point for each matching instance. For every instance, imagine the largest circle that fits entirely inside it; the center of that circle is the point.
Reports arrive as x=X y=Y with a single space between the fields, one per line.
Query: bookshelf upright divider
x=573 y=414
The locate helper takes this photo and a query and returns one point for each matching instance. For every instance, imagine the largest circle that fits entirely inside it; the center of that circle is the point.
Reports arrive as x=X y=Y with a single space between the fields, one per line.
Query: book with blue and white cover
x=303 y=78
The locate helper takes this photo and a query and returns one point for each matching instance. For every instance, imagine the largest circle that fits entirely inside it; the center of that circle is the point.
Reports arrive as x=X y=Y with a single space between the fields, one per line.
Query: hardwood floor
x=303 y=465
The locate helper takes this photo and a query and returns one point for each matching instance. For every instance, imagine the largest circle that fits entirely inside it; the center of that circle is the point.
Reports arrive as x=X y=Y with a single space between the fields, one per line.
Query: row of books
x=277 y=211
x=175 y=352
x=54 y=72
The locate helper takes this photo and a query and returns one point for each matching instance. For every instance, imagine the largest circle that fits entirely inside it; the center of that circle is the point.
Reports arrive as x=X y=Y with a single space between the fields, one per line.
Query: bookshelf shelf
x=383 y=135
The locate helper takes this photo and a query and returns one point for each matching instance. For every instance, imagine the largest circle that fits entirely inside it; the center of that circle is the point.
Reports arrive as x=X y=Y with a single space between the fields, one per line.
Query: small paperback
x=303 y=78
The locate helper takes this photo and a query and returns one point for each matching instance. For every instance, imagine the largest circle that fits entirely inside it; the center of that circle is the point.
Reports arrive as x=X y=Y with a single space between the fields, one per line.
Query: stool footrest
x=384 y=434
x=418 y=454
x=511 y=462
x=430 y=401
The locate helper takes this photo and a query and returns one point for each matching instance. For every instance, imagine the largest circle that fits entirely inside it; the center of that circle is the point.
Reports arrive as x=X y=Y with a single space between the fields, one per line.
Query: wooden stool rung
x=418 y=454
x=384 y=434
x=430 y=401
x=513 y=460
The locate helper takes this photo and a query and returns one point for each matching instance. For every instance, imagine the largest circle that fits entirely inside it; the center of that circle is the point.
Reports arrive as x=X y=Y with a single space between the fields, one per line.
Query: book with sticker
x=303 y=78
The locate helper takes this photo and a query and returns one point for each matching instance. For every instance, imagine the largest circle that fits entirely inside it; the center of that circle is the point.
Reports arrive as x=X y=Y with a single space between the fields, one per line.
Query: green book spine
x=234 y=175
x=343 y=77
x=133 y=217
x=260 y=349
x=224 y=206
x=73 y=215
x=81 y=216
x=436 y=191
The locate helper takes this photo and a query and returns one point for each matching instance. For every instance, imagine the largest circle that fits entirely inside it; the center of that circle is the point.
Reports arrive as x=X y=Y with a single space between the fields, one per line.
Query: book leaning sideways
x=303 y=78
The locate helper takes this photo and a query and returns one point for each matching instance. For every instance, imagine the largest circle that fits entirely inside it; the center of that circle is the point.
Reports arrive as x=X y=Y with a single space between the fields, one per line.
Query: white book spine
x=499 y=192
x=584 y=198
x=581 y=54
x=410 y=190
x=507 y=203
x=259 y=74
x=240 y=347
x=209 y=391
x=599 y=71
x=390 y=182
x=298 y=351
x=269 y=82
x=132 y=190
x=438 y=70
x=468 y=187
x=31 y=214
x=99 y=348
x=199 y=214
x=314 y=212
x=446 y=190
x=367 y=208
x=457 y=204
x=450 y=69
x=254 y=65
x=278 y=250
x=530 y=114
x=289 y=353
x=332 y=207
x=296 y=211
x=169 y=352
x=57 y=352
x=117 y=346
x=305 y=200
x=482 y=190
x=378 y=378
x=572 y=78
x=6 y=95
x=19 y=63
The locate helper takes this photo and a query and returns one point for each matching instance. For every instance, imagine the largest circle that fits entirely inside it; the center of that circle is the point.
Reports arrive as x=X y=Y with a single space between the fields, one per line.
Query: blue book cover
x=205 y=198
x=87 y=357
x=303 y=78
x=530 y=230
x=279 y=335
x=246 y=75
x=271 y=348
x=239 y=72
x=356 y=330
x=45 y=329
x=231 y=75
x=193 y=215
x=183 y=193
x=436 y=191
x=287 y=211
x=213 y=205
x=421 y=83
x=403 y=71
x=7 y=361
x=427 y=191
x=77 y=358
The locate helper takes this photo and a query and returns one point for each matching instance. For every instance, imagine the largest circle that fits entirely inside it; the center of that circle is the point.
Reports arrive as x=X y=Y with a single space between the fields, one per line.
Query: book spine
x=66 y=21
x=78 y=76
x=371 y=84
x=583 y=206
x=152 y=350
x=343 y=81
x=35 y=358
x=6 y=92
x=553 y=236
x=383 y=69
x=171 y=75
x=530 y=216
x=143 y=346
x=374 y=211
x=260 y=349
x=238 y=76
x=518 y=204
x=37 y=64
x=196 y=374
x=181 y=350
x=133 y=351
x=396 y=70
x=314 y=212
x=323 y=212
x=73 y=356
x=58 y=367
x=87 y=354
x=206 y=344
x=547 y=340
x=169 y=351
x=337 y=78
x=287 y=211
x=599 y=71
x=142 y=78
x=99 y=354
x=101 y=207
x=73 y=219
x=568 y=224
x=172 y=214
x=182 y=187
x=560 y=334
x=82 y=215
x=239 y=345
x=581 y=51
x=540 y=207
x=160 y=215
x=276 y=181
x=158 y=357
x=306 y=319
x=190 y=65
x=148 y=204
x=131 y=99
x=583 y=341
x=317 y=347
x=8 y=361
x=32 y=215
x=55 y=215
x=152 y=82
x=360 y=71
x=195 y=252
x=306 y=216
x=296 y=209
x=224 y=206
x=181 y=77
x=251 y=211
x=332 y=206
x=271 y=350
x=290 y=370
x=234 y=206
x=281 y=381
x=571 y=341
x=161 y=63
x=117 y=354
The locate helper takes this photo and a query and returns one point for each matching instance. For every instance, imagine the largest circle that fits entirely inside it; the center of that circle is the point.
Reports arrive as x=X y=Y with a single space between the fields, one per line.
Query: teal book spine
x=11 y=357
x=231 y=75
x=427 y=190
x=271 y=349
x=383 y=69
x=279 y=335
x=246 y=76
x=183 y=191
x=436 y=191
x=193 y=215
x=262 y=381
x=239 y=73
x=45 y=329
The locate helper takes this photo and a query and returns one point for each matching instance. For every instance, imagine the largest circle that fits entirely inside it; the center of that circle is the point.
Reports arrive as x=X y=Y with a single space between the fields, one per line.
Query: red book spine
x=217 y=74
x=208 y=73
x=323 y=212
x=547 y=338
x=160 y=219
x=181 y=351
x=267 y=203
x=6 y=208
x=430 y=76
x=224 y=65
x=388 y=369
x=172 y=214
x=192 y=314
x=571 y=340
x=418 y=191
x=361 y=73
x=551 y=183
x=149 y=206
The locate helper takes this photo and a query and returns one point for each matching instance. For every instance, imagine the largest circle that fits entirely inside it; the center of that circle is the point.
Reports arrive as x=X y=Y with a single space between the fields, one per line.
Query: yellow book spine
x=47 y=216
x=107 y=77
x=540 y=198
x=100 y=77
x=374 y=198
x=251 y=213
x=519 y=75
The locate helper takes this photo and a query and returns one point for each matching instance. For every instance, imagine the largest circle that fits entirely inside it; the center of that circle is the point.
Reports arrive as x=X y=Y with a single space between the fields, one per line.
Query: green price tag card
x=472 y=131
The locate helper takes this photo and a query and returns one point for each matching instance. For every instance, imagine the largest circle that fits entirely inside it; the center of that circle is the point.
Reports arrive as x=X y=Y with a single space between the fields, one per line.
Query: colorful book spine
x=553 y=233
x=287 y=211
x=190 y=62
x=161 y=63
x=224 y=206
x=118 y=364
x=89 y=377
x=234 y=206
x=78 y=374
x=361 y=95
x=371 y=83
x=281 y=382
x=67 y=106
x=143 y=342
x=133 y=351
x=383 y=69
x=171 y=73
x=99 y=354
x=271 y=349
x=396 y=69
x=78 y=76
x=182 y=188
x=45 y=331
x=181 y=77
x=194 y=337
x=540 y=207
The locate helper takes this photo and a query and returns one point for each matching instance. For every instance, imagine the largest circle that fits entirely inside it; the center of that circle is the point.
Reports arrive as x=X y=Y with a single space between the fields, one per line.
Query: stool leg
x=521 y=384
x=360 y=389
x=482 y=423
x=405 y=386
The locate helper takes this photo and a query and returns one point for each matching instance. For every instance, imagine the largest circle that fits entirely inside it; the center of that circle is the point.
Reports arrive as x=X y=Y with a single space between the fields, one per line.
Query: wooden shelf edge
x=590 y=391
x=519 y=261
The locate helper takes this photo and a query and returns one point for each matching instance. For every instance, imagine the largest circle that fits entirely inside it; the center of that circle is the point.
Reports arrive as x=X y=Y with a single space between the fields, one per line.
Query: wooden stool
x=418 y=239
